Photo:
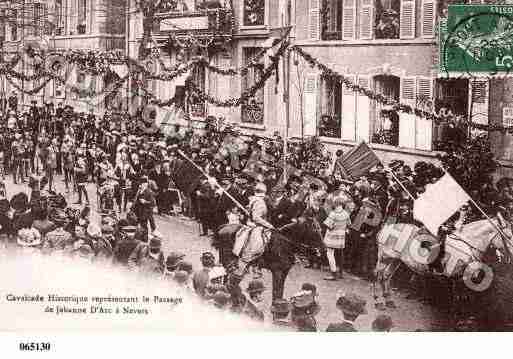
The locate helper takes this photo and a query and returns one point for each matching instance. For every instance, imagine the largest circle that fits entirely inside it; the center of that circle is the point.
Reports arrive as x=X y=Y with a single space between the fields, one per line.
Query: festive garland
x=247 y=94
x=395 y=105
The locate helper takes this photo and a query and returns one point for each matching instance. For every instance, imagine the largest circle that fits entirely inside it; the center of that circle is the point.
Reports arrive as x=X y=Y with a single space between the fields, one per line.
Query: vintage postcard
x=253 y=166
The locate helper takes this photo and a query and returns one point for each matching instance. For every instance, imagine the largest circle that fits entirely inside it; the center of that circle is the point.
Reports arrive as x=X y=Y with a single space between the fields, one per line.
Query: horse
x=278 y=257
x=463 y=253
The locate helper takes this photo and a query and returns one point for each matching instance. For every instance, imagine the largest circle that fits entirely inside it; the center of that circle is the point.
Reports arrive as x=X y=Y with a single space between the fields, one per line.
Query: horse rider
x=250 y=241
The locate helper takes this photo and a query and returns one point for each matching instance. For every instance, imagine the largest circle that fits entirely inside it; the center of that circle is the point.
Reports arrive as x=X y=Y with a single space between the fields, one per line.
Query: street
x=182 y=234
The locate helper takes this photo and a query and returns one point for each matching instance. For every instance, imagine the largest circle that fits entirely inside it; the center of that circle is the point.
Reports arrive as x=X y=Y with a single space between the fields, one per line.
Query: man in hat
x=81 y=176
x=18 y=152
x=304 y=310
x=253 y=304
x=149 y=258
x=126 y=245
x=123 y=172
x=57 y=239
x=352 y=306
x=172 y=262
x=51 y=164
x=145 y=202
x=13 y=101
x=201 y=279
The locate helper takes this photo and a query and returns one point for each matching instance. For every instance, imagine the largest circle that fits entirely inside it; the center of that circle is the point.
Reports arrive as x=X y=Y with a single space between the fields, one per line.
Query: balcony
x=208 y=23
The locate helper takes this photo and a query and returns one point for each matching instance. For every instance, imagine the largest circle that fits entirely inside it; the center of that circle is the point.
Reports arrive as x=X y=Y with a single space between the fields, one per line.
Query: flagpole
x=400 y=183
x=217 y=184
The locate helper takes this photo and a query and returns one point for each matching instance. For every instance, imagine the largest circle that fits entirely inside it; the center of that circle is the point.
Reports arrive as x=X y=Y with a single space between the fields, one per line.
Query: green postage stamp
x=477 y=39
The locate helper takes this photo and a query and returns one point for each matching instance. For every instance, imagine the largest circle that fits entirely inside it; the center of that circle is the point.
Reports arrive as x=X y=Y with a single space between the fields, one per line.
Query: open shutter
x=367 y=19
x=349 y=19
x=363 y=111
x=349 y=112
x=406 y=120
x=311 y=94
x=480 y=100
x=407 y=20
x=428 y=19
x=424 y=127
x=314 y=20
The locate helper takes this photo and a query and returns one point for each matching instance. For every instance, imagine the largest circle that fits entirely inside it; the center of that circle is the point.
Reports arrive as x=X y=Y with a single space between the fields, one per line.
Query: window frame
x=265 y=25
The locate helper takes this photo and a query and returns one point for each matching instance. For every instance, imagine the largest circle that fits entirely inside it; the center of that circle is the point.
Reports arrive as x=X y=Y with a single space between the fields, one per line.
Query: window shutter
x=363 y=111
x=314 y=20
x=367 y=19
x=407 y=20
x=349 y=19
x=428 y=19
x=480 y=99
x=407 y=121
x=424 y=127
x=349 y=112
x=311 y=93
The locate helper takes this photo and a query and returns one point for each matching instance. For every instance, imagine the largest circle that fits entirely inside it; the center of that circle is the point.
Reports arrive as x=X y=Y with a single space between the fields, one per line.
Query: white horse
x=417 y=248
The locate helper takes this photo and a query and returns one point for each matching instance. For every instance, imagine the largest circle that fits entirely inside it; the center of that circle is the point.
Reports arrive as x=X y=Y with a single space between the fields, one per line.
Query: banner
x=440 y=201
x=185 y=176
x=356 y=162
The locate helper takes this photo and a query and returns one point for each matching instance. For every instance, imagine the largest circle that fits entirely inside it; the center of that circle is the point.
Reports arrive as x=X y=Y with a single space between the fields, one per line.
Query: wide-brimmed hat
x=255 y=286
x=173 y=259
x=352 y=304
x=221 y=298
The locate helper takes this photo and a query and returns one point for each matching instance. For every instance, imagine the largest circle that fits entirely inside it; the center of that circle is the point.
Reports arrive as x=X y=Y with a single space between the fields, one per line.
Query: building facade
x=59 y=25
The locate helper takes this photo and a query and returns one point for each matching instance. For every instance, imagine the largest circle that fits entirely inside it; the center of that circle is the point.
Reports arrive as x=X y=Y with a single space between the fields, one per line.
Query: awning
x=120 y=70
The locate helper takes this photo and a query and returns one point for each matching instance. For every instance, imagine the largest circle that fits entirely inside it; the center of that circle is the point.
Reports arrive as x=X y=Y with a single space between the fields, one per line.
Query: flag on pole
x=440 y=201
x=186 y=176
x=356 y=162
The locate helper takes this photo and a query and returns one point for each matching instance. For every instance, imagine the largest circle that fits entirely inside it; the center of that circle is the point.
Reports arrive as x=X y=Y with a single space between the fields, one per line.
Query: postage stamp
x=477 y=39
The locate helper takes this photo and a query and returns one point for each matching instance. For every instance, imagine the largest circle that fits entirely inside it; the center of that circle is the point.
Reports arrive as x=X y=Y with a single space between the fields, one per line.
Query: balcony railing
x=208 y=22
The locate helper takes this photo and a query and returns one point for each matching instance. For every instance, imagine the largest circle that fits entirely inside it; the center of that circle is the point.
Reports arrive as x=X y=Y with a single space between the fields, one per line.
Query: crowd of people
x=134 y=169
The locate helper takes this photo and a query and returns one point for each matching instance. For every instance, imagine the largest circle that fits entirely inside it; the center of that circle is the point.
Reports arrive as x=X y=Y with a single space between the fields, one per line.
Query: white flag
x=440 y=201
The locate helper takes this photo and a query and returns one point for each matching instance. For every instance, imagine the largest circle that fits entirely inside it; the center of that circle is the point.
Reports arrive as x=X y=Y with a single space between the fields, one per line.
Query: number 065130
x=35 y=346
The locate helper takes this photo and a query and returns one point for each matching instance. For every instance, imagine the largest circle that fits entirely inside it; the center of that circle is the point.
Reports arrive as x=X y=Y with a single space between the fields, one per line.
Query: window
x=387 y=19
x=331 y=108
x=369 y=19
x=59 y=18
x=198 y=107
x=386 y=122
x=332 y=20
x=3 y=14
x=253 y=12
x=82 y=17
x=14 y=26
x=253 y=109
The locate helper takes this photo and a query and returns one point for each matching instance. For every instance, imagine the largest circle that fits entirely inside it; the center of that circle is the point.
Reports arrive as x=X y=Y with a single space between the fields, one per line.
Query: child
x=234 y=216
x=253 y=306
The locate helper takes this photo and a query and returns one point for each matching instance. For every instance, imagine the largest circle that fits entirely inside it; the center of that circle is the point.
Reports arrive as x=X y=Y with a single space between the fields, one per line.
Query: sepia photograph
x=202 y=167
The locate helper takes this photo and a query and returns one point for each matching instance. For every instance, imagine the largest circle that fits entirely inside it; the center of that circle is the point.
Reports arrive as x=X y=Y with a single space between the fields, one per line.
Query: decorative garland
x=395 y=105
x=247 y=94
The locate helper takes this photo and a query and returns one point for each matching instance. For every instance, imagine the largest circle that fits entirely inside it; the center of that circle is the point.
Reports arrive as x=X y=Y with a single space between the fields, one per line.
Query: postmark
x=477 y=40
